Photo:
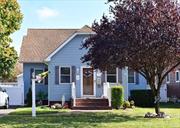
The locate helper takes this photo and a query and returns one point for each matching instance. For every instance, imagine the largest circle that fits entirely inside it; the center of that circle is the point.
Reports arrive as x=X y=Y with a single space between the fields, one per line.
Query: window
x=168 y=78
x=65 y=74
x=111 y=75
x=131 y=76
x=177 y=76
x=37 y=72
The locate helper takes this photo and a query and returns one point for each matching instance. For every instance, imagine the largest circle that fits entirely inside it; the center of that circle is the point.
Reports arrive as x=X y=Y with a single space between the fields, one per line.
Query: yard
x=48 y=118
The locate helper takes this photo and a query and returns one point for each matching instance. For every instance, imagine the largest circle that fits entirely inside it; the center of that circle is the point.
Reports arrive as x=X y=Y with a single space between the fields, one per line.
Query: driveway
x=4 y=112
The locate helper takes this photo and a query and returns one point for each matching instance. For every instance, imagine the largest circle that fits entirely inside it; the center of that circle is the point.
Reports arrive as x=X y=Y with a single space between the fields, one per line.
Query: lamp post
x=33 y=95
x=35 y=78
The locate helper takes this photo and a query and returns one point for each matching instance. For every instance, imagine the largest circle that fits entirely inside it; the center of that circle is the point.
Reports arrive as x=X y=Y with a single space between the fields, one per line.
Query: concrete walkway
x=4 y=112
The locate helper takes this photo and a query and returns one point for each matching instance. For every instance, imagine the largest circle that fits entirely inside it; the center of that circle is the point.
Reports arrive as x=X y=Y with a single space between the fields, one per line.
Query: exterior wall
x=27 y=78
x=142 y=84
x=69 y=55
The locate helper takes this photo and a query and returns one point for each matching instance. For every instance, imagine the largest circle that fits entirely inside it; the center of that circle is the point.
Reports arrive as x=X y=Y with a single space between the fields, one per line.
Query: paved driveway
x=4 y=112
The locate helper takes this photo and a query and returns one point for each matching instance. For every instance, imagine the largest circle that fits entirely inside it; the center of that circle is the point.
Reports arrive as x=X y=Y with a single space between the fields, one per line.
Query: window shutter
x=31 y=72
x=56 y=74
x=74 y=74
x=46 y=78
x=103 y=77
x=137 y=77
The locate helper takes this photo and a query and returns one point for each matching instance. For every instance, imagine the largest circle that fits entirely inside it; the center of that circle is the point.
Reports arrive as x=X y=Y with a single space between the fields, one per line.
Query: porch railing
x=107 y=92
x=73 y=93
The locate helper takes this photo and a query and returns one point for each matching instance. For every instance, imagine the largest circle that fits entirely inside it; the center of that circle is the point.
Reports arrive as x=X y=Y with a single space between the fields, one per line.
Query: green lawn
x=48 y=118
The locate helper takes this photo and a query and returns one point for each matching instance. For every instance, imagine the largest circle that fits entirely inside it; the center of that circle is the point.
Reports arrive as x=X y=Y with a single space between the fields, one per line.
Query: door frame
x=94 y=82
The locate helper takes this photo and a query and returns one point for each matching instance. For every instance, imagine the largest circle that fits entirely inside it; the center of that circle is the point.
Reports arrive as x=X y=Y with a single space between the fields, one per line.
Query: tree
x=140 y=34
x=10 y=21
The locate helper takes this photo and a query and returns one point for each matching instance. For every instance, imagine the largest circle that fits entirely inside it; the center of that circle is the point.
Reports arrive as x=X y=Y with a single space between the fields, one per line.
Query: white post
x=33 y=98
x=125 y=82
x=73 y=91
x=109 y=93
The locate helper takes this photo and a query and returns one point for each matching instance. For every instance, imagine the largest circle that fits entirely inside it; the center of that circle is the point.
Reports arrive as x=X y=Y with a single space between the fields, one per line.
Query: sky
x=57 y=14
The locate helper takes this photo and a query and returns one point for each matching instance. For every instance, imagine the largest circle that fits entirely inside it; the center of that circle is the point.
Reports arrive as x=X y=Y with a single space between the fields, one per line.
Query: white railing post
x=73 y=92
x=33 y=98
x=109 y=94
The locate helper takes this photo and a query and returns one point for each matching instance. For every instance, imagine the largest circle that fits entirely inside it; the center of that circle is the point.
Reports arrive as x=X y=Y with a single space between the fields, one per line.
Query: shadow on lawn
x=68 y=120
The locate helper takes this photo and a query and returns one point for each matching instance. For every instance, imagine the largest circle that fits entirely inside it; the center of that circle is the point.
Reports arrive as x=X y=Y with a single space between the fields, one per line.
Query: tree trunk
x=157 y=100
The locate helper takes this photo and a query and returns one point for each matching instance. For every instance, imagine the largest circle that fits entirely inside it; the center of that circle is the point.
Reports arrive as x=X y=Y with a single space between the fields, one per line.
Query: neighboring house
x=173 y=83
x=58 y=51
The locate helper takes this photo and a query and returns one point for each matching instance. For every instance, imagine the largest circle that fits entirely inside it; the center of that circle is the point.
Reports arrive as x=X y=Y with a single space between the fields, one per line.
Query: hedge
x=142 y=98
x=117 y=96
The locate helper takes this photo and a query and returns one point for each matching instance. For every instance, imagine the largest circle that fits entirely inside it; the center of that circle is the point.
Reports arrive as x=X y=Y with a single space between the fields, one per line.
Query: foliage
x=117 y=93
x=140 y=34
x=41 y=96
x=29 y=97
x=126 y=104
x=143 y=98
x=10 y=21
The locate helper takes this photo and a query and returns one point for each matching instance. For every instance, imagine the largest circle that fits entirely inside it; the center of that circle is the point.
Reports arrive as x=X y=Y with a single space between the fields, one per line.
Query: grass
x=48 y=118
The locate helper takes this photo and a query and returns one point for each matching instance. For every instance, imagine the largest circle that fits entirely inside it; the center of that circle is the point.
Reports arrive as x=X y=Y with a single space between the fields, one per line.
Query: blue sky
x=57 y=14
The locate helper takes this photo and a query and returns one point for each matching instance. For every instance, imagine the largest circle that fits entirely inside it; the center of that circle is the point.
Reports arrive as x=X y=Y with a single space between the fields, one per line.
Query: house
x=173 y=83
x=58 y=51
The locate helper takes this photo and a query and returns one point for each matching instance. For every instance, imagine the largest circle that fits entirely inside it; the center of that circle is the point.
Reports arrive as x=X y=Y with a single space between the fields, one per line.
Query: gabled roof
x=40 y=43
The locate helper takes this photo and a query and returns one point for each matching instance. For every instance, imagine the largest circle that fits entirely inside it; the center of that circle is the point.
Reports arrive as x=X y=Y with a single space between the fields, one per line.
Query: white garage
x=15 y=91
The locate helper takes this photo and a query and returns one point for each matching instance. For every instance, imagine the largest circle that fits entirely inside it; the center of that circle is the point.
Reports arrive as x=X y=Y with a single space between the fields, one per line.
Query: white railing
x=107 y=92
x=73 y=93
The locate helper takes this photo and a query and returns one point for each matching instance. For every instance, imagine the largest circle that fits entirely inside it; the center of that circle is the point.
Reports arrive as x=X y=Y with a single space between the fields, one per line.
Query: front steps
x=91 y=104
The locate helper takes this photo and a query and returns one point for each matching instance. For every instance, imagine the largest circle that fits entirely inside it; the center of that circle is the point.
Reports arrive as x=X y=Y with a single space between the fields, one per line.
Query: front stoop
x=91 y=104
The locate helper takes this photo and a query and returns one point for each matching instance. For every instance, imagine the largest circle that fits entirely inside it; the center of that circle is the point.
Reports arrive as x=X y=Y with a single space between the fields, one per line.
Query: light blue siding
x=142 y=84
x=69 y=55
x=27 y=81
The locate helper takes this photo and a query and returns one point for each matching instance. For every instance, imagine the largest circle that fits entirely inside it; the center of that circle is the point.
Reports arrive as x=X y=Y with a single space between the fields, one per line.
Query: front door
x=88 y=85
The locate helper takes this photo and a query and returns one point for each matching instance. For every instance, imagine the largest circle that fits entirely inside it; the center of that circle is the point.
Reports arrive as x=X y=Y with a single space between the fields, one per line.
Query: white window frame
x=134 y=78
x=168 y=76
x=177 y=71
x=106 y=75
x=43 y=81
x=60 y=74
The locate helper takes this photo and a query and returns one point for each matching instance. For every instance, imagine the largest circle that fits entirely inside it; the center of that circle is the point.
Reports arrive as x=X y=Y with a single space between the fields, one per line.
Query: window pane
x=131 y=76
x=177 y=76
x=65 y=70
x=37 y=72
x=111 y=79
x=111 y=71
x=65 y=79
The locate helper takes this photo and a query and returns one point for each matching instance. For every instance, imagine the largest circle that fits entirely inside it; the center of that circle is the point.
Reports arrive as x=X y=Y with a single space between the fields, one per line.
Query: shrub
x=29 y=98
x=41 y=96
x=143 y=98
x=126 y=104
x=117 y=96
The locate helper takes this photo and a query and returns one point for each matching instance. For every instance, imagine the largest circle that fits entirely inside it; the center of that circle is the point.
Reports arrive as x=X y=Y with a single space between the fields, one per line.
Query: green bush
x=126 y=104
x=117 y=96
x=142 y=98
x=29 y=98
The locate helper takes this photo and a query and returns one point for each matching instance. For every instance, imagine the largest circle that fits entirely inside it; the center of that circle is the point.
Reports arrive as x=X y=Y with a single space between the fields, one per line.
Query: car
x=4 y=98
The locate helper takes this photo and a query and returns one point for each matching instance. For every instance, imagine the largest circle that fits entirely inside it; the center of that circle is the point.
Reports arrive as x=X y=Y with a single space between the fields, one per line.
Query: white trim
x=168 y=75
x=60 y=74
x=66 y=42
x=177 y=71
x=116 y=77
x=43 y=81
x=94 y=82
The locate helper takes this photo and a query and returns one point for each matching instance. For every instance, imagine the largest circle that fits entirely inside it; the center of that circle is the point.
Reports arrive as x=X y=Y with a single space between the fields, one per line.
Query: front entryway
x=88 y=84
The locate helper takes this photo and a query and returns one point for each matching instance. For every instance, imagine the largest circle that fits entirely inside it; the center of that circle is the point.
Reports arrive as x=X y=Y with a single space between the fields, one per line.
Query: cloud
x=46 y=13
